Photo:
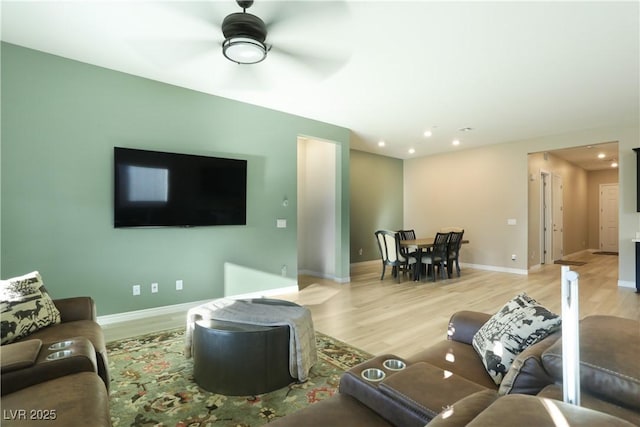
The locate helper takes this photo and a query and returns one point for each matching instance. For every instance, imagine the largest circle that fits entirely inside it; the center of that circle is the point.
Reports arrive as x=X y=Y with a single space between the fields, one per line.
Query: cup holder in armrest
x=61 y=345
x=373 y=374
x=59 y=354
x=394 y=364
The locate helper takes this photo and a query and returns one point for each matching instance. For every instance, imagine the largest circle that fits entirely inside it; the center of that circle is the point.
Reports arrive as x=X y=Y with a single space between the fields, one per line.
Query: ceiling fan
x=295 y=35
x=245 y=36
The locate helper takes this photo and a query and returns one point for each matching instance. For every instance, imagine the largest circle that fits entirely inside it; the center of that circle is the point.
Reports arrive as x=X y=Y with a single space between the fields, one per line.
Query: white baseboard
x=365 y=263
x=110 y=319
x=626 y=284
x=325 y=276
x=496 y=268
x=147 y=312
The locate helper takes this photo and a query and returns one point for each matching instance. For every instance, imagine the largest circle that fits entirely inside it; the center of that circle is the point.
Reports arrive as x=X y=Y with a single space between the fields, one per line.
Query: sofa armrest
x=463 y=325
x=19 y=355
x=39 y=362
x=76 y=308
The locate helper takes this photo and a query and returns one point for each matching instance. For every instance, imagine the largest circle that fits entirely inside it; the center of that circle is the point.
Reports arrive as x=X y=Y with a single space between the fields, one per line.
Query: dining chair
x=389 y=245
x=453 y=251
x=437 y=256
x=411 y=250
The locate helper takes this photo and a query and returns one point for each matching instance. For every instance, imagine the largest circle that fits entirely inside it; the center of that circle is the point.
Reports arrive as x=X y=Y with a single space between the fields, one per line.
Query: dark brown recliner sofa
x=447 y=384
x=58 y=375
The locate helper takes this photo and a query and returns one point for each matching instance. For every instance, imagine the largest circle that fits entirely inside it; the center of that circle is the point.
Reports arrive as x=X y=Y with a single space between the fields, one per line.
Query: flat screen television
x=158 y=189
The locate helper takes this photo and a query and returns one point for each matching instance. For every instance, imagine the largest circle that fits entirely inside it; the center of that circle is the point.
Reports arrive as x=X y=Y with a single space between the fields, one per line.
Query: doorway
x=317 y=201
x=609 y=217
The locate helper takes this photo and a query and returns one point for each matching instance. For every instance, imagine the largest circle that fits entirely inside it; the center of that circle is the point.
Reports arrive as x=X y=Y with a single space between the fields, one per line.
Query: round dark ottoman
x=237 y=359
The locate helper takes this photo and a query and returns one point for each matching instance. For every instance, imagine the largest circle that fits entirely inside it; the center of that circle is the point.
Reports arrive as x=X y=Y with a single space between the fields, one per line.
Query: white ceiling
x=591 y=157
x=388 y=70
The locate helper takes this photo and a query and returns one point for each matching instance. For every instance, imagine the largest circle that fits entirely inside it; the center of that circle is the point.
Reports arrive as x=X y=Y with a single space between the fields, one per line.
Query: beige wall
x=594 y=179
x=479 y=189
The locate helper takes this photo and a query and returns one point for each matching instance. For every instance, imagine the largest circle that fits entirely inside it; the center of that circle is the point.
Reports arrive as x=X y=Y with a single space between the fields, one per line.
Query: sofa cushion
x=527 y=374
x=25 y=306
x=591 y=401
x=520 y=409
x=609 y=366
x=520 y=323
x=72 y=400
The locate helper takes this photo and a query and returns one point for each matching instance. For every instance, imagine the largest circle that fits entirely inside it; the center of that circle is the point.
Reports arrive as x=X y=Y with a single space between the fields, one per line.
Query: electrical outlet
x=136 y=289
x=514 y=257
x=154 y=288
x=179 y=285
x=360 y=252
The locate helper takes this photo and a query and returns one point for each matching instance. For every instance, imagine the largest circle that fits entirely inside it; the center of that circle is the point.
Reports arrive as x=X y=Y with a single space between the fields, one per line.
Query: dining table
x=421 y=244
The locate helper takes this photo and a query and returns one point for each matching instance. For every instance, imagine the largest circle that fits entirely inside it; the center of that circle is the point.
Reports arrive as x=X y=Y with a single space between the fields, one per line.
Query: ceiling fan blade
x=172 y=53
x=320 y=64
x=184 y=31
x=204 y=12
x=279 y=13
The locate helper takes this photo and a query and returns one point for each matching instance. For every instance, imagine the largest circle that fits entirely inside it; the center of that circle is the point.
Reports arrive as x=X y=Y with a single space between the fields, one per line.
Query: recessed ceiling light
x=456 y=142
x=601 y=156
x=381 y=143
x=427 y=133
x=614 y=164
x=467 y=129
x=412 y=150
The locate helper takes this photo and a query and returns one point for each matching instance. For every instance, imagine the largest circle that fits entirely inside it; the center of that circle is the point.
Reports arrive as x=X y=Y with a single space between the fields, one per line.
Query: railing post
x=570 y=337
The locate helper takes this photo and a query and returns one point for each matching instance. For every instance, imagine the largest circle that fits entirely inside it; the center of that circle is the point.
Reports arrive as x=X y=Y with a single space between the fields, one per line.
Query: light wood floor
x=387 y=317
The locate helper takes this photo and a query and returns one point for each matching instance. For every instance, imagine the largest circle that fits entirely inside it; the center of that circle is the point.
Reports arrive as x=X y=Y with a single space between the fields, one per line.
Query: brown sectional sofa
x=58 y=375
x=447 y=384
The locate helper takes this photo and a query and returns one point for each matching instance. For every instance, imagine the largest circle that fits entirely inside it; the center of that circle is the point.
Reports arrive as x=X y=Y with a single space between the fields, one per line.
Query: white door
x=545 y=218
x=609 y=217
x=557 y=211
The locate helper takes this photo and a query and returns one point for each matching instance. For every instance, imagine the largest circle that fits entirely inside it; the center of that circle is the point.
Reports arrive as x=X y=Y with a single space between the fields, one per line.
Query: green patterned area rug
x=152 y=385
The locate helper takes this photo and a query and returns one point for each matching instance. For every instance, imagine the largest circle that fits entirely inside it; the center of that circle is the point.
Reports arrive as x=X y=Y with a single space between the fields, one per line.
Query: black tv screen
x=156 y=189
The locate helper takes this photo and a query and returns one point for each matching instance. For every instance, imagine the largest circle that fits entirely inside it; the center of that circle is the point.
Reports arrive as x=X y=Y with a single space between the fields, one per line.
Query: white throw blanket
x=302 y=341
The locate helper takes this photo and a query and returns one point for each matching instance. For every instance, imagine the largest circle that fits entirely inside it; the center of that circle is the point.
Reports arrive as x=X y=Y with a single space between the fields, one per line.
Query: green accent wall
x=60 y=121
x=376 y=201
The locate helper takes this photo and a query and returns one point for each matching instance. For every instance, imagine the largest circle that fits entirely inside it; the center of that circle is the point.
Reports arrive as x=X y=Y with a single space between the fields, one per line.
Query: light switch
x=511 y=221
x=281 y=223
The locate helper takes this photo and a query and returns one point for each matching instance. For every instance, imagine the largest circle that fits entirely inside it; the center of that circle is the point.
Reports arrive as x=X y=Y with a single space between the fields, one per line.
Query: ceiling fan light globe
x=244 y=50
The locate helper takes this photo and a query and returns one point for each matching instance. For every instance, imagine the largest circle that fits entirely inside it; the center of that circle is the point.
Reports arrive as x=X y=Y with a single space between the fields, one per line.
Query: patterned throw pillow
x=25 y=307
x=520 y=323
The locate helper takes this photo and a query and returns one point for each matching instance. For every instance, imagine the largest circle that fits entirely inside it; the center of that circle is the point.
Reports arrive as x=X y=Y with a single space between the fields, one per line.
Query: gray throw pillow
x=520 y=323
